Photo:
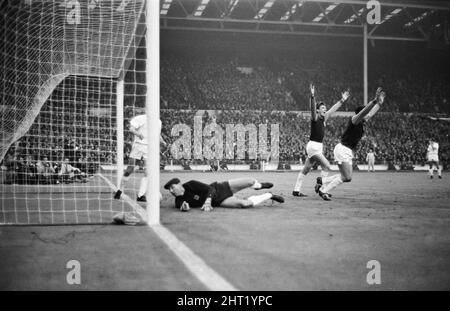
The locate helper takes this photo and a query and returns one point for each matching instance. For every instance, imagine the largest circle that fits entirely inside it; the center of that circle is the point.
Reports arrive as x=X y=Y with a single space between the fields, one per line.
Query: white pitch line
x=211 y=279
x=197 y=266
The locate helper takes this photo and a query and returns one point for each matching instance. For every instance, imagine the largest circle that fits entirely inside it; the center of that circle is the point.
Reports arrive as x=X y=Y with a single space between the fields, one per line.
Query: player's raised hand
x=378 y=92
x=313 y=89
x=207 y=206
x=345 y=95
x=185 y=207
x=381 y=98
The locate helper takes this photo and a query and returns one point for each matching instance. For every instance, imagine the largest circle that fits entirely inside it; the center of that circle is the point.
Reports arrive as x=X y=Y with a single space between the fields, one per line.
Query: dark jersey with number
x=353 y=134
x=195 y=193
x=317 y=129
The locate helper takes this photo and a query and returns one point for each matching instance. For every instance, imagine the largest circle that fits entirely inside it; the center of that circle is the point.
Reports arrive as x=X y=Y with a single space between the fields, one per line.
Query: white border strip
x=205 y=274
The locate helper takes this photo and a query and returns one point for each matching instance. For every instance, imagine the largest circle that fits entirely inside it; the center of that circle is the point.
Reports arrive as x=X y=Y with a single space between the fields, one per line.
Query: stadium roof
x=399 y=20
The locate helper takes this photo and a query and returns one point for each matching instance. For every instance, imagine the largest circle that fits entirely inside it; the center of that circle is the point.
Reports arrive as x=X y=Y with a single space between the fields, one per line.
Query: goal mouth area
x=75 y=203
x=95 y=183
x=74 y=73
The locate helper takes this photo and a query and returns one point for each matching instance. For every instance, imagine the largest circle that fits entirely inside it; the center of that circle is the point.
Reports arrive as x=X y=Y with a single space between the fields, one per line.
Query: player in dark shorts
x=314 y=148
x=218 y=194
x=343 y=152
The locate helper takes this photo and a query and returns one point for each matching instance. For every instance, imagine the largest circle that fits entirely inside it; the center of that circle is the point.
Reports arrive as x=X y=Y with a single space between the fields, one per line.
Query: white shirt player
x=140 y=124
x=433 y=151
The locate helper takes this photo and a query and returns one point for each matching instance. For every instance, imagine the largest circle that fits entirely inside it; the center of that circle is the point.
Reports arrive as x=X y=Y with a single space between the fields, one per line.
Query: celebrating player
x=138 y=126
x=218 y=194
x=433 y=158
x=343 y=152
x=314 y=148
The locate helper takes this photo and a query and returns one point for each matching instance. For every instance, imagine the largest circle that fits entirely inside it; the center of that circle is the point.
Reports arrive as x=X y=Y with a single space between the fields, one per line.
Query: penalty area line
x=197 y=266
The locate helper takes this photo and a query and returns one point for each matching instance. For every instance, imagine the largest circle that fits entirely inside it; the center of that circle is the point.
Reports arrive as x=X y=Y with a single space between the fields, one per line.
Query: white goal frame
x=152 y=109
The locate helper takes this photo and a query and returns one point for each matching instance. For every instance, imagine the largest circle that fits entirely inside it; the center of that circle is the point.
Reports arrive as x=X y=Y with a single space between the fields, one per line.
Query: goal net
x=72 y=74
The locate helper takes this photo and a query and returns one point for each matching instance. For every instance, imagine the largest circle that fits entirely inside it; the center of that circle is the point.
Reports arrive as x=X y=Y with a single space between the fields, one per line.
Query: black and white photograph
x=209 y=147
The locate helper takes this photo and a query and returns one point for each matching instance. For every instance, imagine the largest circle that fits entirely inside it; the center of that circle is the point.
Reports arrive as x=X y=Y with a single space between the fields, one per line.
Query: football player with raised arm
x=314 y=148
x=343 y=152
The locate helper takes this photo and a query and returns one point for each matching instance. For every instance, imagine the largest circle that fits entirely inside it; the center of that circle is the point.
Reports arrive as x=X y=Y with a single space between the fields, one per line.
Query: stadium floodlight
x=231 y=6
x=329 y=8
x=165 y=7
x=264 y=9
x=201 y=8
x=291 y=11
x=352 y=18
x=419 y=18
x=390 y=15
x=72 y=75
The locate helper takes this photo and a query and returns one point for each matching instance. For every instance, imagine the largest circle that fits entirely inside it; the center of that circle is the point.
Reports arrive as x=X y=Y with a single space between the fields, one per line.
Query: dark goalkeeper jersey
x=195 y=193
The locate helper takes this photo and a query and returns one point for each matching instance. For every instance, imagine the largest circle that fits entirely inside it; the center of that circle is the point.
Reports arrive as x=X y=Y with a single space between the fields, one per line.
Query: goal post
x=72 y=75
x=120 y=128
x=152 y=109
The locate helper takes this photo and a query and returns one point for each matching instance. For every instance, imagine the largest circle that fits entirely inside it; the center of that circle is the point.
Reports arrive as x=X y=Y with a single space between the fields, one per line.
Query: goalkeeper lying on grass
x=218 y=194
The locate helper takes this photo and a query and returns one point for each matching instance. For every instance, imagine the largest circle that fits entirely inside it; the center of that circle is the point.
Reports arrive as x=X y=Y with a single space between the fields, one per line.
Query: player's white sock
x=333 y=184
x=323 y=174
x=430 y=171
x=329 y=179
x=298 y=183
x=256 y=185
x=258 y=199
x=143 y=187
x=439 y=170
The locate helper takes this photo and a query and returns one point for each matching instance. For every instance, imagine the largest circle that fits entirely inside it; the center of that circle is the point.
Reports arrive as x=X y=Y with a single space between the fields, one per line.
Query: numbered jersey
x=140 y=125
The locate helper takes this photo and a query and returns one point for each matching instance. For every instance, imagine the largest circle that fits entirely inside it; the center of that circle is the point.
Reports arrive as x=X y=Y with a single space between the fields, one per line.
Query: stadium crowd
x=282 y=84
x=254 y=91
x=400 y=139
x=397 y=139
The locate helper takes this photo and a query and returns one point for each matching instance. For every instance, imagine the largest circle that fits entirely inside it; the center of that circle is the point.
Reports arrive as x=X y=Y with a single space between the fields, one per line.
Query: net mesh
x=60 y=64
